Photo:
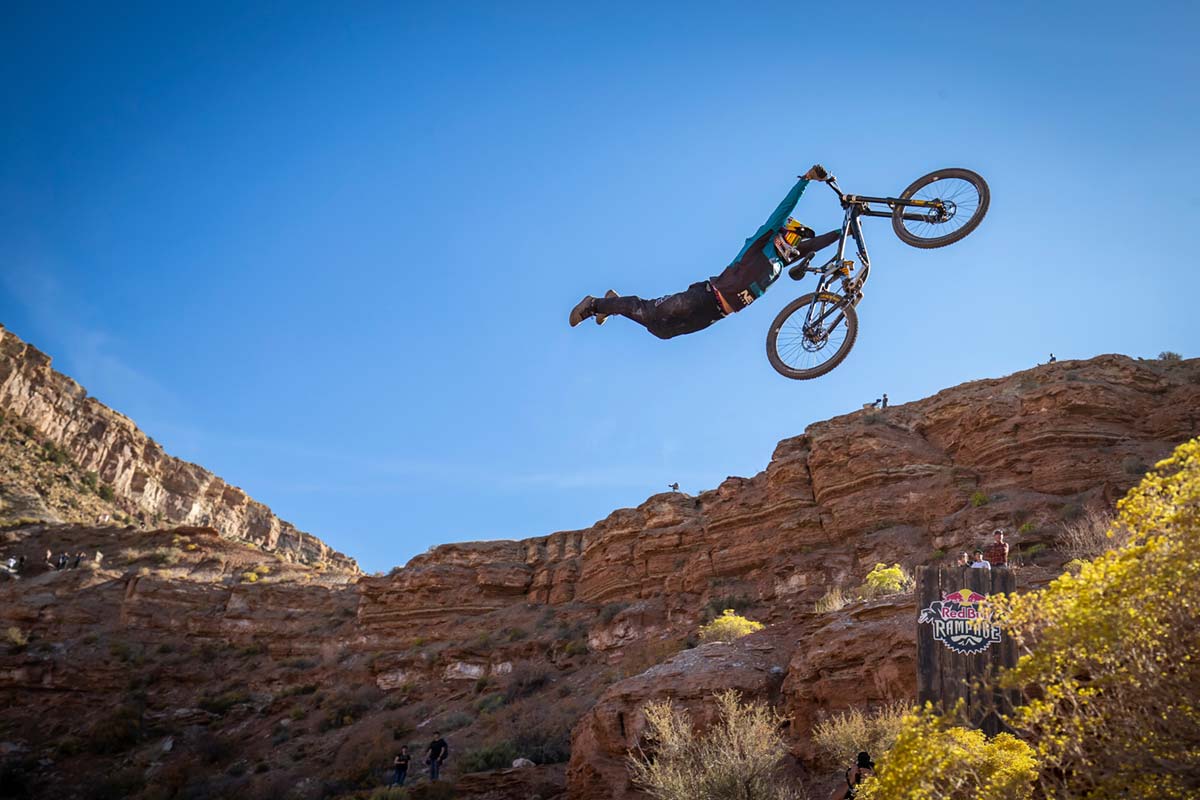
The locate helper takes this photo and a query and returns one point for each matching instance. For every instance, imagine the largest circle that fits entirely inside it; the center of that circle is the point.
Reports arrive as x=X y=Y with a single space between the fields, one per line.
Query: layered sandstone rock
x=154 y=485
x=594 y=622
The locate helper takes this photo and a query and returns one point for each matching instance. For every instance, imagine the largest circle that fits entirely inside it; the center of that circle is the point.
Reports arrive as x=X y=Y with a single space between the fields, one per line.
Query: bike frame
x=857 y=207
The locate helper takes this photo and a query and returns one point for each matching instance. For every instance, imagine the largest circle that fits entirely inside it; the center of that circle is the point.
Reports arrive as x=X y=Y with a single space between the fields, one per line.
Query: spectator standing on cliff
x=99 y=558
x=49 y=558
x=400 y=767
x=435 y=755
x=1052 y=358
x=980 y=562
x=997 y=552
x=78 y=558
x=63 y=558
x=964 y=560
x=885 y=400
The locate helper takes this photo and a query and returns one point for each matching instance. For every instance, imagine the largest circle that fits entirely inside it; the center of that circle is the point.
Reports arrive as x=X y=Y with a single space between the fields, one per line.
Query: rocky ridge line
x=142 y=475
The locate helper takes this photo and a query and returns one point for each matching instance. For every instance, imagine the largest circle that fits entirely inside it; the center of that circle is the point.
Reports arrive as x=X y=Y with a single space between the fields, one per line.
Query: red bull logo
x=960 y=622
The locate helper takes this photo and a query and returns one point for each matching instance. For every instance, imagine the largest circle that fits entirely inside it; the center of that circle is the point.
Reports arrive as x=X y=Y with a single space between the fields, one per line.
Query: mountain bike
x=814 y=333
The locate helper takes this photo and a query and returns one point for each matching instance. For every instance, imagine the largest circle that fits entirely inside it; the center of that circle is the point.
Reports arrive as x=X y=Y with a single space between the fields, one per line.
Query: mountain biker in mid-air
x=780 y=241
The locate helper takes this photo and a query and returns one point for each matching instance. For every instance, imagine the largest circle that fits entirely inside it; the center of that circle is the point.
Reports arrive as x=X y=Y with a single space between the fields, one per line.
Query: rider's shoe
x=585 y=309
x=600 y=318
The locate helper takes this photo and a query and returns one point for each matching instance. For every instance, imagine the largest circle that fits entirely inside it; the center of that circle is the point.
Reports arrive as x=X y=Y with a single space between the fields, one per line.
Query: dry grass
x=833 y=600
x=1091 y=534
x=740 y=757
x=840 y=736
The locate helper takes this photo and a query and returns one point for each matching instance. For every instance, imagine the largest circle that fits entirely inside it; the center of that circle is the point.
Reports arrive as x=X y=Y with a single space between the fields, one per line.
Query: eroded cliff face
x=152 y=485
x=563 y=638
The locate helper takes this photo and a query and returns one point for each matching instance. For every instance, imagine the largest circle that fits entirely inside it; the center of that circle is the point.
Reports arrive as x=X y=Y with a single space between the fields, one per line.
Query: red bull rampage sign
x=960 y=623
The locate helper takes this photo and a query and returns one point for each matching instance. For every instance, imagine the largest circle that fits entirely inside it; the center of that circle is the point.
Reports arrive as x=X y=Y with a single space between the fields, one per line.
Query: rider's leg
x=666 y=317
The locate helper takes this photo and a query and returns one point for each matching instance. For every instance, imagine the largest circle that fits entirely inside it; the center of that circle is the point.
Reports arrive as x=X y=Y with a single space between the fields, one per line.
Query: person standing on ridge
x=435 y=755
x=780 y=241
x=400 y=767
x=885 y=400
x=996 y=553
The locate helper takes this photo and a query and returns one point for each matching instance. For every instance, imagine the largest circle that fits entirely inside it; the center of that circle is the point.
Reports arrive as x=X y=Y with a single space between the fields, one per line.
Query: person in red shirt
x=997 y=551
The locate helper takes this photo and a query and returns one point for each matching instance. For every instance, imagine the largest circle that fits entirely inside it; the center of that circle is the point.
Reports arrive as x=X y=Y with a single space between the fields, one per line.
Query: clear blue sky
x=328 y=252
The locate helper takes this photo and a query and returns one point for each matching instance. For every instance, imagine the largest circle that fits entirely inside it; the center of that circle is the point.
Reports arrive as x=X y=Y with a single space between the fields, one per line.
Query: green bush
x=1169 y=356
x=727 y=627
x=219 y=704
x=611 y=610
x=89 y=481
x=489 y=702
x=106 y=493
x=1026 y=528
x=498 y=755
x=116 y=732
x=526 y=678
x=979 y=499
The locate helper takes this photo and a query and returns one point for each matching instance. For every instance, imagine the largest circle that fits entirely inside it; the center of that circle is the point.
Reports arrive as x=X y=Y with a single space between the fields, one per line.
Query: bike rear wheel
x=964 y=196
x=803 y=352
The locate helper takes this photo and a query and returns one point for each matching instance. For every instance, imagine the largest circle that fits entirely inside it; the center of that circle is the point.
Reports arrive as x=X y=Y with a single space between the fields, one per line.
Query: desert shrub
x=740 y=756
x=833 y=600
x=727 y=627
x=55 y=454
x=610 y=610
x=89 y=481
x=575 y=647
x=221 y=703
x=1113 y=648
x=455 y=720
x=1132 y=465
x=163 y=556
x=1070 y=511
x=1169 y=356
x=1091 y=535
x=262 y=570
x=498 y=755
x=489 y=702
x=526 y=678
x=715 y=607
x=883 y=580
x=249 y=577
x=514 y=634
x=106 y=493
x=934 y=758
x=1026 y=528
x=17 y=639
x=979 y=499
x=116 y=732
x=838 y=737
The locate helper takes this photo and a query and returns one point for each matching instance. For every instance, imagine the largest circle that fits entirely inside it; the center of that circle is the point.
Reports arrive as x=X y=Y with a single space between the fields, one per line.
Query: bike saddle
x=800 y=268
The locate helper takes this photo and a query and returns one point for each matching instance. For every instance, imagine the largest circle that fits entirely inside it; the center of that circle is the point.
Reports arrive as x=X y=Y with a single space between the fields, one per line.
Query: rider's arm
x=777 y=218
x=780 y=215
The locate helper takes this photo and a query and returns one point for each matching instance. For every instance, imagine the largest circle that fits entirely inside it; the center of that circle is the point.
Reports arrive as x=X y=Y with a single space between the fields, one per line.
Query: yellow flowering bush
x=884 y=580
x=727 y=627
x=1110 y=651
x=934 y=759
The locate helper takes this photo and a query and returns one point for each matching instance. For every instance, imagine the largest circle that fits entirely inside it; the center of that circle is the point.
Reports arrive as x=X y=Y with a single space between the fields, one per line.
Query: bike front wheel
x=957 y=200
x=802 y=346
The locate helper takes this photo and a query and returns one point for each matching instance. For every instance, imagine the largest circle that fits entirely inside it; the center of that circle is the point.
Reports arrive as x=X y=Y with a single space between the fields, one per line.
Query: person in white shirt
x=979 y=562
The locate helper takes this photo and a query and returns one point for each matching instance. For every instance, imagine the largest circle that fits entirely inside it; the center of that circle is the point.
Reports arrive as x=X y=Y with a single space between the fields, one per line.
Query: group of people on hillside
x=994 y=555
x=435 y=756
x=65 y=560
